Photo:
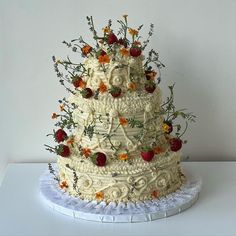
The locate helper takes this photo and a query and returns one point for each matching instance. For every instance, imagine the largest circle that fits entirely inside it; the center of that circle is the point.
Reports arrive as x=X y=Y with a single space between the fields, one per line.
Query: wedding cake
x=117 y=141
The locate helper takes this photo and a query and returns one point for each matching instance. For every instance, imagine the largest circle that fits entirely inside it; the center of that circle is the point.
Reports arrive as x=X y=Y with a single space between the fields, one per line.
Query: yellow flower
x=99 y=196
x=133 y=32
x=166 y=128
x=124 y=52
x=58 y=61
x=123 y=156
x=123 y=121
x=104 y=59
x=106 y=30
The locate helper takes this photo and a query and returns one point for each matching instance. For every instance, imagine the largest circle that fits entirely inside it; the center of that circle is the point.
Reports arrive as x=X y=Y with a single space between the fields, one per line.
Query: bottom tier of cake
x=124 y=182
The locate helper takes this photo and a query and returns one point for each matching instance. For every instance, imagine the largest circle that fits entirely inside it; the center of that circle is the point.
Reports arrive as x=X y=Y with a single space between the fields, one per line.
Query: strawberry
x=112 y=39
x=147 y=154
x=150 y=86
x=63 y=150
x=76 y=81
x=175 y=144
x=115 y=91
x=99 y=159
x=60 y=135
x=169 y=126
x=87 y=93
x=135 y=51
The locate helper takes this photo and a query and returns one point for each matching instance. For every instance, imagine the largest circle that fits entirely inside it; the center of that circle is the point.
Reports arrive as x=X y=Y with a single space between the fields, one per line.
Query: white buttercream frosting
x=116 y=126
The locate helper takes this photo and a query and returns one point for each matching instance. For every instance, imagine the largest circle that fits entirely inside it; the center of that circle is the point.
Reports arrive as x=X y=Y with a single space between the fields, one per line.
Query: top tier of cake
x=122 y=70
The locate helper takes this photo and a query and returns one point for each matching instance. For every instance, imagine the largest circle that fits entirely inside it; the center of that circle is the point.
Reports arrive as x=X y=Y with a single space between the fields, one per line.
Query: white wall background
x=196 y=42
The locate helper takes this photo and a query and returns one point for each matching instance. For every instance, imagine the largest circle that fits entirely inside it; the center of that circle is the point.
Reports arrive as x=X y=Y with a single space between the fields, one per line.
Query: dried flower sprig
x=92 y=29
x=150 y=33
x=53 y=172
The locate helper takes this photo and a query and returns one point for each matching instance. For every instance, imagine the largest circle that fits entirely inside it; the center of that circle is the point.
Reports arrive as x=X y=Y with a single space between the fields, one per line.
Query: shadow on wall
x=194 y=91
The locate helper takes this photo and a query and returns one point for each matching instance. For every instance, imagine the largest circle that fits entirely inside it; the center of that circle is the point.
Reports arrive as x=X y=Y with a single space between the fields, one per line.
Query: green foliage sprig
x=134 y=123
x=66 y=119
x=171 y=113
x=89 y=130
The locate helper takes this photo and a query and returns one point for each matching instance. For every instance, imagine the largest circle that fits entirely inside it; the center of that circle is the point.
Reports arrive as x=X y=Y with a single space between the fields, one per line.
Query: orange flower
x=106 y=30
x=82 y=84
x=123 y=156
x=133 y=32
x=151 y=74
x=86 y=152
x=158 y=150
x=99 y=196
x=123 y=121
x=62 y=107
x=86 y=49
x=155 y=194
x=102 y=87
x=71 y=140
x=132 y=86
x=137 y=43
x=124 y=52
x=54 y=115
x=104 y=59
x=63 y=184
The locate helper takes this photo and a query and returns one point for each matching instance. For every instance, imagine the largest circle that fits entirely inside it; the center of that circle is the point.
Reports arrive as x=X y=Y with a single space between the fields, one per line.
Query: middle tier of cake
x=116 y=126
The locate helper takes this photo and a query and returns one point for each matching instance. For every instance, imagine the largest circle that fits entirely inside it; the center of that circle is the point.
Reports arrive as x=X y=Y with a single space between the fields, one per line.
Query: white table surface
x=22 y=211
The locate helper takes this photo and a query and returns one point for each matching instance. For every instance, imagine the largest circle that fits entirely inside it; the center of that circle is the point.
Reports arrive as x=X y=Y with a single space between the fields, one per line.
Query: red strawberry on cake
x=175 y=144
x=115 y=92
x=63 y=150
x=135 y=51
x=147 y=154
x=76 y=81
x=99 y=159
x=60 y=135
x=150 y=86
x=87 y=93
x=112 y=39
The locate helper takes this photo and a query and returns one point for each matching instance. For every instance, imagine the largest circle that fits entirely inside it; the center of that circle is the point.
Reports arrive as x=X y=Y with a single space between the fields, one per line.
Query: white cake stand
x=150 y=210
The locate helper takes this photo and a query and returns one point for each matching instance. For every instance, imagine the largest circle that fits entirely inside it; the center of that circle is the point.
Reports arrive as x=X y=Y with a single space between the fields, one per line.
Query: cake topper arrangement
x=116 y=140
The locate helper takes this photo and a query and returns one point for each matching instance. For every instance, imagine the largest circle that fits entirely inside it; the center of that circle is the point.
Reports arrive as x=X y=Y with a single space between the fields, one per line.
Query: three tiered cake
x=116 y=140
